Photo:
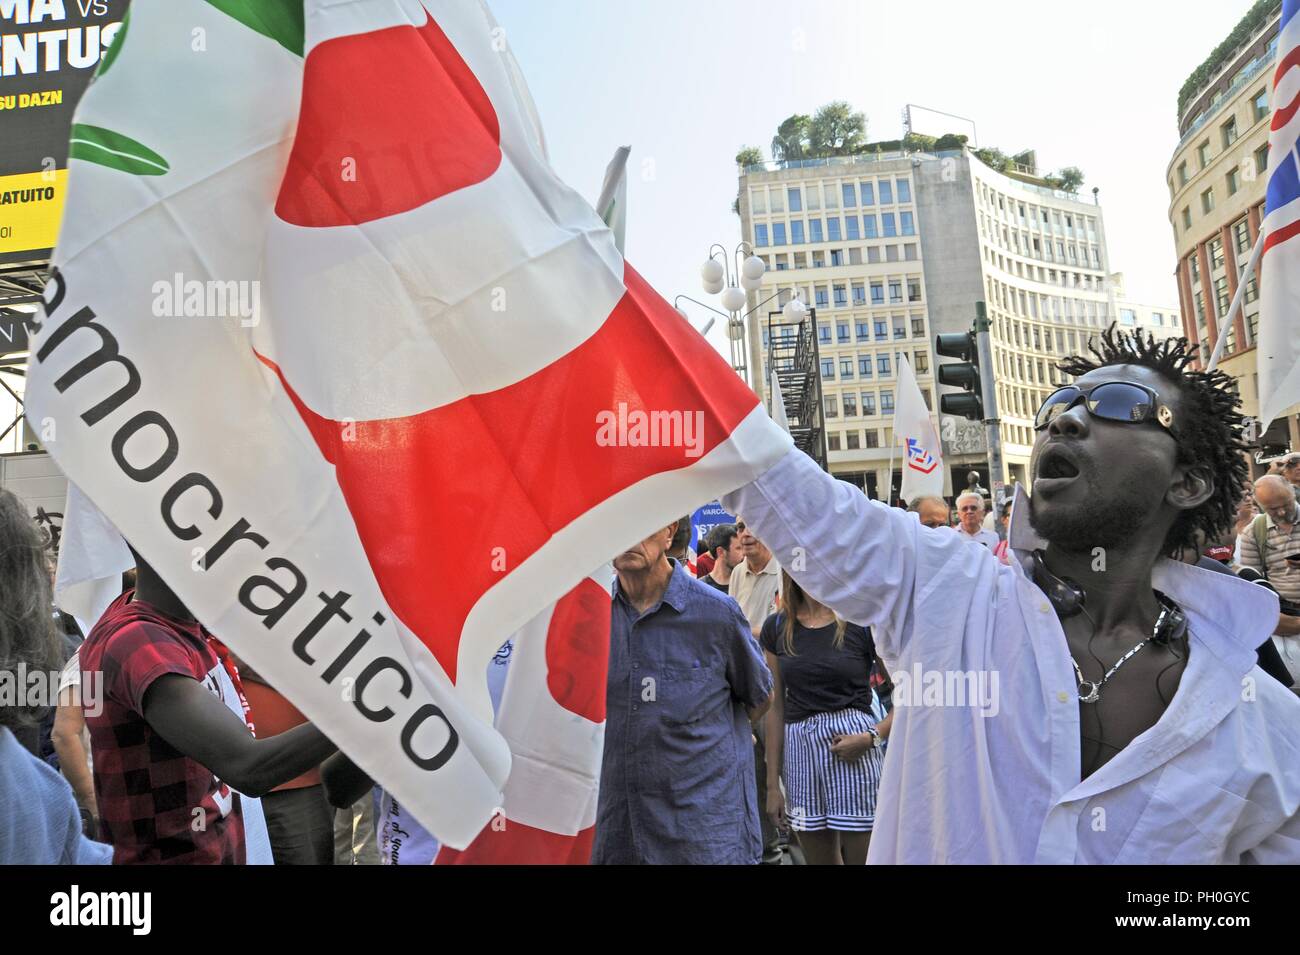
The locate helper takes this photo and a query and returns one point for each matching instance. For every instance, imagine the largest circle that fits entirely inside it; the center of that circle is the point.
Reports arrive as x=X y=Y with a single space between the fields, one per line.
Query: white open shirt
x=1215 y=780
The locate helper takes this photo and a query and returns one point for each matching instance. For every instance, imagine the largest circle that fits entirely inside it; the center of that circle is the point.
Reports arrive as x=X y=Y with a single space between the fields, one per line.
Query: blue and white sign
x=706 y=519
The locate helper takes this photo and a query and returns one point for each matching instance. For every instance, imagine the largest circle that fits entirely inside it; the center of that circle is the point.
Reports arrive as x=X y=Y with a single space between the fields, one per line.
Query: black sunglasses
x=1121 y=401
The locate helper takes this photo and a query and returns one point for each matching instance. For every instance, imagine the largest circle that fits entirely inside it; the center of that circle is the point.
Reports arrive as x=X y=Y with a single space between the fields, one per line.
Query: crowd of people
x=1102 y=673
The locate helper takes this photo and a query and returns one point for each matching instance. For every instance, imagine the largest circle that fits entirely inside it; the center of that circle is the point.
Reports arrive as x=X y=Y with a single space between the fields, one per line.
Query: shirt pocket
x=688 y=742
x=1187 y=821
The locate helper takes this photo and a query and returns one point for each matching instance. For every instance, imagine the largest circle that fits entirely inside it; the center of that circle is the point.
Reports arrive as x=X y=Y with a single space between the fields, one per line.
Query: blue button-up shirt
x=677 y=777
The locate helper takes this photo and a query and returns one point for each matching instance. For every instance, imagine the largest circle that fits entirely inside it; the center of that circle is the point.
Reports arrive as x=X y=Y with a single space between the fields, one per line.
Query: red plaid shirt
x=156 y=805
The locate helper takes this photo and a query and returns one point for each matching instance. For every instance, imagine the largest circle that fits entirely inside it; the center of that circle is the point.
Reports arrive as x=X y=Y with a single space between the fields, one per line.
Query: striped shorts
x=823 y=791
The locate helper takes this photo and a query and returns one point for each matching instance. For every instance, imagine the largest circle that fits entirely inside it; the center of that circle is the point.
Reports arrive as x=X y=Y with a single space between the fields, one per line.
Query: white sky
x=1091 y=85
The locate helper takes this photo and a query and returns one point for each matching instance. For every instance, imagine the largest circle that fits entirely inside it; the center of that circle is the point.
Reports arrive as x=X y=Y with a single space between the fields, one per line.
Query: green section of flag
x=116 y=48
x=281 y=20
x=103 y=146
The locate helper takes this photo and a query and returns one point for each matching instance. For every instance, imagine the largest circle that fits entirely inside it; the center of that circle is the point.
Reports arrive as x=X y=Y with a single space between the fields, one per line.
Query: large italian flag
x=398 y=461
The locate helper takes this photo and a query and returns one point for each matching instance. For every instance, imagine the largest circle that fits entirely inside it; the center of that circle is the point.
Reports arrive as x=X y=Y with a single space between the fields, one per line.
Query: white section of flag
x=914 y=430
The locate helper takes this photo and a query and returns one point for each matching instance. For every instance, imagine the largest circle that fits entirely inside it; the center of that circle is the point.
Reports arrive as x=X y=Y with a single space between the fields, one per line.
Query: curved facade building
x=1216 y=182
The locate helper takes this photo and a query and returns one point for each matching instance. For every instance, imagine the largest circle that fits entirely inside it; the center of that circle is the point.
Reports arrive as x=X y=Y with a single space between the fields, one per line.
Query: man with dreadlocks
x=1127 y=721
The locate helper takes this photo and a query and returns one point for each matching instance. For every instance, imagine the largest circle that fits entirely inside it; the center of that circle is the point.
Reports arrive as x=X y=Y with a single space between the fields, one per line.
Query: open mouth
x=1057 y=464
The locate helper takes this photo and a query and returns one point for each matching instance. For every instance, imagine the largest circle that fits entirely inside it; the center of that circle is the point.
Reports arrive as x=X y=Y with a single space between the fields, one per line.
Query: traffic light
x=963 y=374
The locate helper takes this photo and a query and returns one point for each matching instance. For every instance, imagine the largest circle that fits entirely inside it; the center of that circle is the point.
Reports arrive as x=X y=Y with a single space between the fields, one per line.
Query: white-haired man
x=970 y=520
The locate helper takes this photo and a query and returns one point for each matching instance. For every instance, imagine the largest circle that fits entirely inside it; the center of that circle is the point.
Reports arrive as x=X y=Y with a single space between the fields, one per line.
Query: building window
x=850 y=406
x=1203 y=153
x=882 y=365
x=860 y=296
x=864 y=366
x=1195 y=265
x=796 y=200
x=851 y=223
x=1261 y=159
x=914 y=290
x=821 y=296
x=815 y=230
x=833 y=229
x=1229 y=132
x=846 y=373
x=832 y=406
x=882 y=330
x=918 y=328
x=778 y=233
x=886 y=193
x=900 y=330
x=1216 y=255
x=905 y=192
x=868 y=193
x=828 y=369
x=852 y=436
x=833 y=441
x=1127 y=316
x=1207 y=200
x=850 y=197
x=841 y=299
x=869 y=226
x=1232 y=181
x=796 y=232
x=873 y=438
x=1241 y=237
x=868 y=403
x=832 y=197
x=837 y=256
x=841 y=328
x=1182 y=173
x=824 y=334
x=877 y=293
x=905 y=221
x=1260 y=104
x=895 y=293
x=887 y=224
x=1221 y=296
x=760 y=235
x=922 y=362
x=886 y=402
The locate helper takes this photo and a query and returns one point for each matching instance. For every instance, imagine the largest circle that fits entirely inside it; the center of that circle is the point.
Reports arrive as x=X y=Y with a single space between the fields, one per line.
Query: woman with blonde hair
x=825 y=729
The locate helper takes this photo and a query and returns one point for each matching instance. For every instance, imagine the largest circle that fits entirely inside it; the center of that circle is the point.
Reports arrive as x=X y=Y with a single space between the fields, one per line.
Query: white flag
x=612 y=204
x=914 y=430
x=778 y=406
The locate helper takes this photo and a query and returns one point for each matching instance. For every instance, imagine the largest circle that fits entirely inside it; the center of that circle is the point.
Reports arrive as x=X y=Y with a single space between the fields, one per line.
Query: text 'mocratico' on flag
x=394 y=468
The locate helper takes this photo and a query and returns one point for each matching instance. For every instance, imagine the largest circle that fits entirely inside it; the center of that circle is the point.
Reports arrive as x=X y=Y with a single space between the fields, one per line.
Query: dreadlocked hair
x=1210 y=432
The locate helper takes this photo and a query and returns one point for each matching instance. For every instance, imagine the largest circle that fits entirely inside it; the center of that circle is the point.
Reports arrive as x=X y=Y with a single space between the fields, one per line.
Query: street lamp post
x=732 y=277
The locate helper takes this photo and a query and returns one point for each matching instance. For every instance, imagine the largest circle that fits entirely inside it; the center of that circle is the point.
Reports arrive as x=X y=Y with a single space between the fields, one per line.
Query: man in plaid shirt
x=169 y=753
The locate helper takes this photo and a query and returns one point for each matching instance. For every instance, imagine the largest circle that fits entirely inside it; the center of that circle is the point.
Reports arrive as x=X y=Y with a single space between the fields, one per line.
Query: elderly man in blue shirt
x=686 y=681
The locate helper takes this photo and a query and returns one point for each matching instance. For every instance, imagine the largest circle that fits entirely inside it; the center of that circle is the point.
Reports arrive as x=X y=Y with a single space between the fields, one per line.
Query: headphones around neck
x=1068 y=599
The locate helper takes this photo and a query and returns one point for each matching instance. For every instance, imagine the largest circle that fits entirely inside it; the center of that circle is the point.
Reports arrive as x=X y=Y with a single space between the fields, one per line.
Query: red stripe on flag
x=1282 y=114
x=577 y=651
x=517 y=844
x=449 y=501
x=1280 y=235
x=390 y=120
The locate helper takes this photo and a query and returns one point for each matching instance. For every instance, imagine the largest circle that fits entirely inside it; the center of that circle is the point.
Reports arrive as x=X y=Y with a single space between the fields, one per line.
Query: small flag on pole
x=914 y=430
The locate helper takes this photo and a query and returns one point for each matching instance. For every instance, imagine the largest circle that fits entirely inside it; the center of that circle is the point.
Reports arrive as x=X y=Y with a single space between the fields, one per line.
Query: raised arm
x=857 y=556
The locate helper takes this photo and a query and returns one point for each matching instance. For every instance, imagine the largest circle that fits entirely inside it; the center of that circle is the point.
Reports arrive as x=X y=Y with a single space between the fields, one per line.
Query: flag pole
x=1238 y=300
x=889 y=495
